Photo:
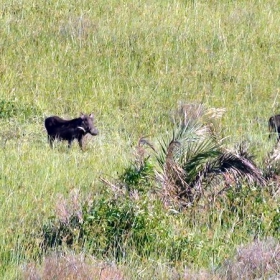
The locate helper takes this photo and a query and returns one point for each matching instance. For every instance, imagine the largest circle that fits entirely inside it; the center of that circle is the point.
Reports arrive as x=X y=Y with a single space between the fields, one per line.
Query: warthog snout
x=94 y=132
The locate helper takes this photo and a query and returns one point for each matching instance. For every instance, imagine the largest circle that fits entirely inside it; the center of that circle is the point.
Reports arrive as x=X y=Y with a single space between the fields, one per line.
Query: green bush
x=115 y=227
x=108 y=227
x=138 y=176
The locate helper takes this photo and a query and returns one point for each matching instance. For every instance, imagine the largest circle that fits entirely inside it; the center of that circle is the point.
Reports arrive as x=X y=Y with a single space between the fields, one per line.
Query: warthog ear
x=81 y=128
x=82 y=115
x=91 y=116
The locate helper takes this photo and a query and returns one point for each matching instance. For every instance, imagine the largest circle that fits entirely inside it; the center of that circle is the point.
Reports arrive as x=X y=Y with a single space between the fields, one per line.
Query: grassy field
x=131 y=63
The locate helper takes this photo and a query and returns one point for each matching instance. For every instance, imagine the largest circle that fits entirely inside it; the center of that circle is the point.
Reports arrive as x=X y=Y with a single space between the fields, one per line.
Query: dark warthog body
x=274 y=125
x=69 y=130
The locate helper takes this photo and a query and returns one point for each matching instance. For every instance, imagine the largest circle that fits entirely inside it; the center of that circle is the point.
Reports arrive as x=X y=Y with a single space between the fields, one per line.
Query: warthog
x=69 y=130
x=274 y=125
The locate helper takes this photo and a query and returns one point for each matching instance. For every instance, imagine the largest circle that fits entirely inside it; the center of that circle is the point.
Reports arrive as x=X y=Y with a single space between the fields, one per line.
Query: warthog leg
x=69 y=143
x=51 y=139
x=80 y=141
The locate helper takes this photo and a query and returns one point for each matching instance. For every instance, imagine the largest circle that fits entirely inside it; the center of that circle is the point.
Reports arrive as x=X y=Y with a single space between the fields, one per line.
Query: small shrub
x=140 y=174
x=138 y=177
x=112 y=227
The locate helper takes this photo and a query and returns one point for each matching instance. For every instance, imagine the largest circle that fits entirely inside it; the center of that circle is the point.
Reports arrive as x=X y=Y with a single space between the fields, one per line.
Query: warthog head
x=87 y=125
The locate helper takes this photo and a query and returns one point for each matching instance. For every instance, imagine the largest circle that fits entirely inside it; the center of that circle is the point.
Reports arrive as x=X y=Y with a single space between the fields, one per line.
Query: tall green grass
x=131 y=63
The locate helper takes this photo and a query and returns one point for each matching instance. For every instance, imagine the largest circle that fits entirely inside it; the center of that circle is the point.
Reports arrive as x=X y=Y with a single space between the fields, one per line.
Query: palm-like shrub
x=193 y=162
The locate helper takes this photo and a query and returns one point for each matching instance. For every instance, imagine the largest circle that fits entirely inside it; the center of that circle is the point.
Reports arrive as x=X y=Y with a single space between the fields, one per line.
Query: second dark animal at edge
x=274 y=125
x=60 y=129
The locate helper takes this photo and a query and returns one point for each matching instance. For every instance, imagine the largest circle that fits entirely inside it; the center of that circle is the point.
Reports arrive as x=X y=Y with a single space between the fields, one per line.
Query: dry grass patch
x=71 y=267
x=258 y=260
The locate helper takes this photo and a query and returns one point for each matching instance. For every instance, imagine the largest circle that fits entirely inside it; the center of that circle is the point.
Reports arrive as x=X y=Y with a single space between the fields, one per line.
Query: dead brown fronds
x=258 y=260
x=70 y=266
x=175 y=188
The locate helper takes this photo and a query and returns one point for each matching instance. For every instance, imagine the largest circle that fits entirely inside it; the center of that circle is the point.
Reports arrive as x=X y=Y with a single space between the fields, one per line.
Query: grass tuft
x=256 y=260
x=71 y=266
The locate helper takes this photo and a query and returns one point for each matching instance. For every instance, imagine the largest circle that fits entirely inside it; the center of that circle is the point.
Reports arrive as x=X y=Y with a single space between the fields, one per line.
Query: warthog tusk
x=80 y=127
